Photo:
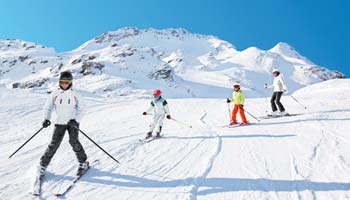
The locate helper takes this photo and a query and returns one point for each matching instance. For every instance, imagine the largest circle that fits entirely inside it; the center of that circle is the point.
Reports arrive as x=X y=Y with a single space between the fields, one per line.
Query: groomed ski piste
x=306 y=156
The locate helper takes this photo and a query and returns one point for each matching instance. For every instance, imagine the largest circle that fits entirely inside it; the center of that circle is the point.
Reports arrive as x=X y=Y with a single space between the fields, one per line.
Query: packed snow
x=305 y=156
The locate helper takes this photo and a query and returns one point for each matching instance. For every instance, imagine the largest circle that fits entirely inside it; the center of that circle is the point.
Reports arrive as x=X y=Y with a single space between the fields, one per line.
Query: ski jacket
x=238 y=97
x=279 y=84
x=67 y=104
x=159 y=107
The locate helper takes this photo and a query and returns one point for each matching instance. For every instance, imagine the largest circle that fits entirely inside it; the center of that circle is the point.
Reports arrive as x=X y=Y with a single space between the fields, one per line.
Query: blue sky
x=319 y=30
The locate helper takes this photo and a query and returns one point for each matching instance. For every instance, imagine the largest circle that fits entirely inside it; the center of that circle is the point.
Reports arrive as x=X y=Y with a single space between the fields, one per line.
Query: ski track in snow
x=200 y=179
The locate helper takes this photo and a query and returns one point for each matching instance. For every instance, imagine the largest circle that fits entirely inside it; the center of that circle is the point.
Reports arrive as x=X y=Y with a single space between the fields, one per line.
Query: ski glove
x=144 y=113
x=228 y=100
x=241 y=106
x=285 y=91
x=73 y=123
x=46 y=123
x=168 y=117
x=265 y=86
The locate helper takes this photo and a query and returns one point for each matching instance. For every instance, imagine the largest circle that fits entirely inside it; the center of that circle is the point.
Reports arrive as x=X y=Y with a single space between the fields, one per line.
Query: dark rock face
x=91 y=68
x=165 y=73
x=23 y=58
x=76 y=61
x=30 y=84
x=323 y=73
x=115 y=36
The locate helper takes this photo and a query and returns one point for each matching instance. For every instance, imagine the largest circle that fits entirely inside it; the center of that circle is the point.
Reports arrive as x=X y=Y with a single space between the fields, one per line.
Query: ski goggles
x=236 y=86
x=156 y=96
x=65 y=82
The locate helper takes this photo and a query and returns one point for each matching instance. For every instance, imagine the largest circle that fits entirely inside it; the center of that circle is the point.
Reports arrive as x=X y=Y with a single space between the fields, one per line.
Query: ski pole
x=266 y=104
x=296 y=100
x=190 y=126
x=251 y=115
x=26 y=142
x=96 y=144
x=229 y=112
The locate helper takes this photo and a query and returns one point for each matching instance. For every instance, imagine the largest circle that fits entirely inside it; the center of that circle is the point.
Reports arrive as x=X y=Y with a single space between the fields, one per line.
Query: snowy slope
x=131 y=62
x=301 y=157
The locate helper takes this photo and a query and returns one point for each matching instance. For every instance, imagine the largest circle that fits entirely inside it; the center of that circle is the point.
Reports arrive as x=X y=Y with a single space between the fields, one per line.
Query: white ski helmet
x=275 y=70
x=237 y=84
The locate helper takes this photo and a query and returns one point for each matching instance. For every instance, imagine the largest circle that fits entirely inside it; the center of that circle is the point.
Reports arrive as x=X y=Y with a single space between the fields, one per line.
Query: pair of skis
x=150 y=139
x=238 y=125
x=37 y=187
x=265 y=117
x=278 y=116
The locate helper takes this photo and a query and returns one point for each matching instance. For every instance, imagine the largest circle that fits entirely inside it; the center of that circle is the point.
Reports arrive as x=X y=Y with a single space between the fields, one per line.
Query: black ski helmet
x=66 y=75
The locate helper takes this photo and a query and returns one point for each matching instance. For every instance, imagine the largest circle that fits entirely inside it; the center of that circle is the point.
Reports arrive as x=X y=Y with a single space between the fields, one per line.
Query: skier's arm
x=283 y=82
x=49 y=105
x=150 y=108
x=268 y=86
x=166 y=109
x=80 y=107
x=232 y=99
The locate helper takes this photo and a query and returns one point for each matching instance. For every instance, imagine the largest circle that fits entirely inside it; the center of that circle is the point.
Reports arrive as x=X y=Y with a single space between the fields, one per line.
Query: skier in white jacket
x=68 y=107
x=160 y=109
x=279 y=87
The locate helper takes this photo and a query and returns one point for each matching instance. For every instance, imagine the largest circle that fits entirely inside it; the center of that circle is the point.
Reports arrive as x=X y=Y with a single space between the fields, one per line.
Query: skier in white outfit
x=69 y=108
x=160 y=109
x=279 y=87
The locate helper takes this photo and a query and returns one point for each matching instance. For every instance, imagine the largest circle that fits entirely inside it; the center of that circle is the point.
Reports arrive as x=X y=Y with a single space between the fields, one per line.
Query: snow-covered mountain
x=130 y=62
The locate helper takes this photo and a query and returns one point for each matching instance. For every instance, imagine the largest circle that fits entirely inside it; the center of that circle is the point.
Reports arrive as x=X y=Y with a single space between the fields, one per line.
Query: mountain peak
x=285 y=49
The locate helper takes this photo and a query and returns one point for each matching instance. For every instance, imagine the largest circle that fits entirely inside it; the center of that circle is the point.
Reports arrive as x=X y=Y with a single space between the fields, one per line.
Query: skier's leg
x=278 y=101
x=76 y=145
x=234 y=114
x=273 y=104
x=153 y=124
x=56 y=140
x=241 y=112
x=160 y=124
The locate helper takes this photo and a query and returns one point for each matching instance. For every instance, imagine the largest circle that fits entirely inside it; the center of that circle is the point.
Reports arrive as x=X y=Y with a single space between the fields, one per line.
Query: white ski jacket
x=279 y=84
x=67 y=104
x=159 y=107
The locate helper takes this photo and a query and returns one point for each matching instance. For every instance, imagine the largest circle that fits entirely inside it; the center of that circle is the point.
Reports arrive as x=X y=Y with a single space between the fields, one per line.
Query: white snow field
x=306 y=156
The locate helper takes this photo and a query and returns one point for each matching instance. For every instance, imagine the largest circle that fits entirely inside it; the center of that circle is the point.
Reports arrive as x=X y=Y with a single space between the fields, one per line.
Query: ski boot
x=233 y=123
x=149 y=135
x=284 y=113
x=83 y=167
x=158 y=133
x=275 y=114
x=42 y=171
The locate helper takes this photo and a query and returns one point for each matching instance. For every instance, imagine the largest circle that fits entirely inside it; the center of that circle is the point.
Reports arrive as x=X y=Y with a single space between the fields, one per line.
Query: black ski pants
x=276 y=99
x=56 y=140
